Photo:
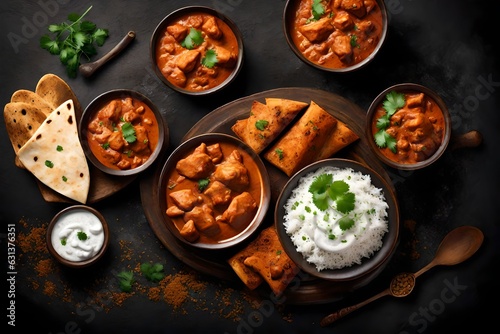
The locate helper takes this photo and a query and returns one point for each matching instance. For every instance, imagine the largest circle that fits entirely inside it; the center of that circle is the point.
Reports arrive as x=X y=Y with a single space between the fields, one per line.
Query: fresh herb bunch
x=72 y=40
x=392 y=103
x=125 y=280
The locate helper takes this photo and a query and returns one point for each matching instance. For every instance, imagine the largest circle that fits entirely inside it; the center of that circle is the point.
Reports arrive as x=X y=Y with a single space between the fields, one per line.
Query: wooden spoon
x=89 y=68
x=457 y=246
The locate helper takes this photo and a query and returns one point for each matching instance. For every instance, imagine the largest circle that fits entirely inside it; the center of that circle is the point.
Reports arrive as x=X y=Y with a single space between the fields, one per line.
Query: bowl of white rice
x=338 y=219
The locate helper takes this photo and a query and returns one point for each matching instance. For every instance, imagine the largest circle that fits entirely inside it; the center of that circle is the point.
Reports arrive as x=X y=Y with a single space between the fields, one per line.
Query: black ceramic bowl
x=369 y=267
x=77 y=219
x=334 y=65
x=371 y=130
x=260 y=189
x=159 y=34
x=139 y=99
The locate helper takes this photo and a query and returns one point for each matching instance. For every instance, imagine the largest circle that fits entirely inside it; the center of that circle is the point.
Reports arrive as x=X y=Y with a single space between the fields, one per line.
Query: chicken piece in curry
x=336 y=33
x=197 y=52
x=123 y=133
x=214 y=192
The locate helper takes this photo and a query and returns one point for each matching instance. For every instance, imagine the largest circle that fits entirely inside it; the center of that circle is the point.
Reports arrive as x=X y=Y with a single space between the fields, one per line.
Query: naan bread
x=55 y=91
x=301 y=144
x=21 y=121
x=32 y=98
x=266 y=121
x=55 y=156
x=264 y=260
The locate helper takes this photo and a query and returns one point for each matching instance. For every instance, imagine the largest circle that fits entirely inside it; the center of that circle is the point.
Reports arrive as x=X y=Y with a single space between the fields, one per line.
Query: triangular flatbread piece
x=55 y=91
x=267 y=121
x=32 y=98
x=55 y=156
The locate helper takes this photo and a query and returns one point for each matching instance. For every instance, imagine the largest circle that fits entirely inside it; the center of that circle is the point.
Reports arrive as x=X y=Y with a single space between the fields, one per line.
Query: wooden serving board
x=310 y=290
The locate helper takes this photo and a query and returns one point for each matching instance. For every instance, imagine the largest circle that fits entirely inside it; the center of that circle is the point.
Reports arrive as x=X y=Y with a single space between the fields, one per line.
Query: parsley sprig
x=392 y=103
x=72 y=40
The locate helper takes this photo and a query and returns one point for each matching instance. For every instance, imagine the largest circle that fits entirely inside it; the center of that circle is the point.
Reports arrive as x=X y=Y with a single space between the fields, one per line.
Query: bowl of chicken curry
x=408 y=126
x=122 y=132
x=335 y=35
x=196 y=50
x=214 y=191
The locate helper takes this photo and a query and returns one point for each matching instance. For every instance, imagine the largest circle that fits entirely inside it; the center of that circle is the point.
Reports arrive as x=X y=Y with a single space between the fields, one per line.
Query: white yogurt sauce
x=77 y=235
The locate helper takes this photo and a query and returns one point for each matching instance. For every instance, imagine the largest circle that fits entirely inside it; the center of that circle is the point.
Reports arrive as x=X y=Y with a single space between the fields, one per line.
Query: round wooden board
x=308 y=290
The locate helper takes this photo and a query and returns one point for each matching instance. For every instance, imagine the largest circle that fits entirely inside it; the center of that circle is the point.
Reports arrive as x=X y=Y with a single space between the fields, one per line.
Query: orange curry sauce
x=177 y=182
x=419 y=129
x=183 y=67
x=346 y=34
x=106 y=139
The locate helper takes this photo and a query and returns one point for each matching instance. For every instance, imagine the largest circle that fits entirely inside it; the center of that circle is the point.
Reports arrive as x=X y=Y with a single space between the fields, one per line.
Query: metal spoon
x=457 y=246
x=89 y=68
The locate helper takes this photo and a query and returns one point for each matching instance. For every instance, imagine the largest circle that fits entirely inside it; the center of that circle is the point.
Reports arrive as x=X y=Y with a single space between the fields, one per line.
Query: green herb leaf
x=317 y=9
x=210 y=59
x=64 y=178
x=59 y=148
x=128 y=132
x=261 y=124
x=203 y=184
x=81 y=235
x=345 y=202
x=153 y=273
x=72 y=40
x=345 y=223
x=193 y=39
x=337 y=188
x=393 y=101
x=279 y=152
x=319 y=188
x=383 y=139
x=63 y=241
x=49 y=163
x=125 y=280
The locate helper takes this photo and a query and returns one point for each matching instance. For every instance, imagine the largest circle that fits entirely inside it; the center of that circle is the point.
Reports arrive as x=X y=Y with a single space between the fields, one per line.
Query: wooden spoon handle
x=88 y=69
x=329 y=319
x=469 y=139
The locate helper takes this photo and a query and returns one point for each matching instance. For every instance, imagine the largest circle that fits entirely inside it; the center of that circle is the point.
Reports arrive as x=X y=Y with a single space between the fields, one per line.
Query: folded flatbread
x=301 y=144
x=264 y=260
x=266 y=121
x=55 y=156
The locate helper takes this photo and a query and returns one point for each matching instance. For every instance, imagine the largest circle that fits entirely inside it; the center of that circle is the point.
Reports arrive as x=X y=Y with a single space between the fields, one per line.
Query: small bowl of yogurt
x=78 y=236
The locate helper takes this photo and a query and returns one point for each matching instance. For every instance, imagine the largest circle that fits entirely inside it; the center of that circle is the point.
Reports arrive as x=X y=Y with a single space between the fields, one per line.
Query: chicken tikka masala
x=197 y=52
x=213 y=193
x=336 y=33
x=123 y=133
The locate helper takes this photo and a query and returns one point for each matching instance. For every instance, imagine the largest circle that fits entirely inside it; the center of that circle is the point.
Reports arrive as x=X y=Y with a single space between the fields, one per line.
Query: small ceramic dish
x=122 y=132
x=346 y=240
x=196 y=50
x=419 y=129
x=78 y=236
x=335 y=39
x=224 y=208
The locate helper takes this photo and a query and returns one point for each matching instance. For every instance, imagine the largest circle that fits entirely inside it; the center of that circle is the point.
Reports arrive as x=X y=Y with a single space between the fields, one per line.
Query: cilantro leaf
x=210 y=59
x=193 y=39
x=383 y=122
x=153 y=273
x=72 y=40
x=393 y=101
x=345 y=202
x=345 y=223
x=125 y=280
x=383 y=139
x=317 y=9
x=337 y=188
x=203 y=184
x=319 y=189
x=261 y=124
x=128 y=132
x=81 y=235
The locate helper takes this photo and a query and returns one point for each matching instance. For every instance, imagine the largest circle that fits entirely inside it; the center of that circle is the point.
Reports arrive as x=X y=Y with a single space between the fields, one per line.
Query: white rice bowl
x=311 y=229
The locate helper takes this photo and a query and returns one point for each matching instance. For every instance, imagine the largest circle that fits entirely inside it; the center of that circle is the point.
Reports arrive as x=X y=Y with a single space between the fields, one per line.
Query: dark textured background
x=445 y=45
